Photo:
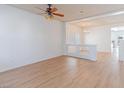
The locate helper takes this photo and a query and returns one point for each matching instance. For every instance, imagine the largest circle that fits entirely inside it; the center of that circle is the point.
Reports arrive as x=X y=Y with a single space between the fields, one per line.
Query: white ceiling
x=72 y=11
x=104 y=20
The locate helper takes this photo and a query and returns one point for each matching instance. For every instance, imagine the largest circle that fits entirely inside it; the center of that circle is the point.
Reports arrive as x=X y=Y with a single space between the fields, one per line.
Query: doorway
x=117 y=34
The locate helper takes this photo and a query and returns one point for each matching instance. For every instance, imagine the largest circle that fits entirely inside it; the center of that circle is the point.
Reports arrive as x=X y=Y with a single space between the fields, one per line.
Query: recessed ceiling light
x=81 y=12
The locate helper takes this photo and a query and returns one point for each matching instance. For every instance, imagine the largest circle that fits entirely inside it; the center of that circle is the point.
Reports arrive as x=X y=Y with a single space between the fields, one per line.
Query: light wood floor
x=67 y=72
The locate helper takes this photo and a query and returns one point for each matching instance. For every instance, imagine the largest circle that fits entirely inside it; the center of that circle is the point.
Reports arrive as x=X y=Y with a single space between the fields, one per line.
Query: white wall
x=74 y=34
x=101 y=36
x=26 y=38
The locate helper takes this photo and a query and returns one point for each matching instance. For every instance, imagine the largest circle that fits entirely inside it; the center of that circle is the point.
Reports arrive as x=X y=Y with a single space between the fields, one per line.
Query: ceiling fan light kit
x=49 y=17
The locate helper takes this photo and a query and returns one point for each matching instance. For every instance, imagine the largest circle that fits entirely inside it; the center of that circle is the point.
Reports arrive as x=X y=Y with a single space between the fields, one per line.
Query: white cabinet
x=82 y=51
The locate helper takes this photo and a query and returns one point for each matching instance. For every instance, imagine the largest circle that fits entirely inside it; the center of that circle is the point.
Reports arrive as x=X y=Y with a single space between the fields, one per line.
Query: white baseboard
x=6 y=68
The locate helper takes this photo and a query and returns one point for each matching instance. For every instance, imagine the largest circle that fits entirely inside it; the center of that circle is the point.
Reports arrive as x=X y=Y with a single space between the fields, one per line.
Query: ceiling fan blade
x=41 y=9
x=58 y=14
x=53 y=9
x=41 y=13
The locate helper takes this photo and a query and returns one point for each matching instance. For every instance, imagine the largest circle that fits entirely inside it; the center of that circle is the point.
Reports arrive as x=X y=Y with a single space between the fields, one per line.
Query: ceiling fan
x=51 y=11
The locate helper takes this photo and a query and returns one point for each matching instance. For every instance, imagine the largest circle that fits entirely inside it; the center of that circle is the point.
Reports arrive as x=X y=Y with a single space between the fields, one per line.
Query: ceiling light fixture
x=49 y=17
x=81 y=12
